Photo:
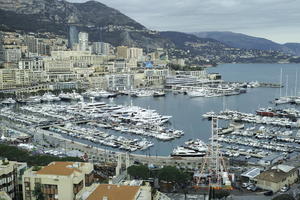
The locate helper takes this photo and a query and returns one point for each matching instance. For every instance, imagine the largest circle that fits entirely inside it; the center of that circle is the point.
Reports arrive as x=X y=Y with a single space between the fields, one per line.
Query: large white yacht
x=185 y=152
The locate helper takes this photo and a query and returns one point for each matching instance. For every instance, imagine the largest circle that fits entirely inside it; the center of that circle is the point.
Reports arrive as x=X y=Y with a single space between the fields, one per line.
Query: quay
x=200 y=84
x=98 y=137
x=99 y=155
x=252 y=118
x=254 y=155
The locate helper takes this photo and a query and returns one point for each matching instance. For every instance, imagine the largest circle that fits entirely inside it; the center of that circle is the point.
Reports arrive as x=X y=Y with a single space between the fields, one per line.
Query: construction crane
x=213 y=172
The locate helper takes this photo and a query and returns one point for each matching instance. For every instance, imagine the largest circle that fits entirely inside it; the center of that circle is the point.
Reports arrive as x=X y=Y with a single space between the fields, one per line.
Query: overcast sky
x=278 y=20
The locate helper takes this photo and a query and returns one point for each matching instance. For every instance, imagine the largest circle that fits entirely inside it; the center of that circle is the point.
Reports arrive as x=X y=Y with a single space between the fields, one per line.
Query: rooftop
x=275 y=175
x=60 y=168
x=284 y=168
x=114 y=192
x=252 y=173
x=271 y=157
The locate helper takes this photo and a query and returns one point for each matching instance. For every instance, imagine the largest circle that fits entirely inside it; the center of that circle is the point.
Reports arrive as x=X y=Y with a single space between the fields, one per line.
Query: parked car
x=268 y=193
x=284 y=189
x=252 y=188
x=245 y=185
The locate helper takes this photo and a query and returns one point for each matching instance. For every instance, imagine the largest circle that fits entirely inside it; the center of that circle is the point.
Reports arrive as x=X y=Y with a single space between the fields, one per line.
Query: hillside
x=239 y=40
x=56 y=16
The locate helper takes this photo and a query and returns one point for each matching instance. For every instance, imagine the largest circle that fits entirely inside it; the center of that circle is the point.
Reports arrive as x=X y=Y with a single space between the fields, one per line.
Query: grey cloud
x=274 y=17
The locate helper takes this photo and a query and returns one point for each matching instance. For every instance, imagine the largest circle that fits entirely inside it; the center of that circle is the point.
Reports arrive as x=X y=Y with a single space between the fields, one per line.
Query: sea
x=187 y=112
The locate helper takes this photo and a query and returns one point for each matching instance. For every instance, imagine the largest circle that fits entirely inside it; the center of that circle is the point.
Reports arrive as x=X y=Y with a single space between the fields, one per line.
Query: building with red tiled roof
x=58 y=180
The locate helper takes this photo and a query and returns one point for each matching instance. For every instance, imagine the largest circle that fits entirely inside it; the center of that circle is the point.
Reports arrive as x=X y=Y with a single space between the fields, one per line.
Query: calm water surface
x=187 y=112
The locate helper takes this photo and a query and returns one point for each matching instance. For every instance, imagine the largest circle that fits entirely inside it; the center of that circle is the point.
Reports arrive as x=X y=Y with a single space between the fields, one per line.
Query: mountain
x=211 y=51
x=243 y=41
x=181 y=40
x=295 y=47
x=193 y=44
x=100 y=21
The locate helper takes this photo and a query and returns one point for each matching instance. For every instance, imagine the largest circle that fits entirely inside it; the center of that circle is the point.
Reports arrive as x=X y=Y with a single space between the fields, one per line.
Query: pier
x=99 y=155
x=252 y=118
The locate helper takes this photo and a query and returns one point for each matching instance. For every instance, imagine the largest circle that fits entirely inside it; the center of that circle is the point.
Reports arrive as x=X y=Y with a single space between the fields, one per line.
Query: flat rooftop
x=60 y=168
x=114 y=192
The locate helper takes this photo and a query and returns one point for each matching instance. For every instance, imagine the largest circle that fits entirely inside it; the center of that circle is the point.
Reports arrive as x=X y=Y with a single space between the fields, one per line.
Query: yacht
x=196 y=93
x=105 y=94
x=282 y=100
x=197 y=145
x=70 y=96
x=159 y=94
x=184 y=152
x=145 y=93
x=32 y=99
x=266 y=112
x=8 y=101
x=48 y=97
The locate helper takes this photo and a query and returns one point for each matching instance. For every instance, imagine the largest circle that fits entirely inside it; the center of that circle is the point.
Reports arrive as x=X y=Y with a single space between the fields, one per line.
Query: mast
x=280 y=82
x=287 y=85
x=296 y=82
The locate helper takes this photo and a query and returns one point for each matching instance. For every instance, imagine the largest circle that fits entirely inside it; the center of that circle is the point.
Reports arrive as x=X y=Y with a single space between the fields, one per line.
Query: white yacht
x=106 y=94
x=48 y=97
x=145 y=93
x=70 y=96
x=283 y=100
x=184 y=152
x=8 y=101
x=159 y=94
x=32 y=99
x=197 y=145
x=196 y=93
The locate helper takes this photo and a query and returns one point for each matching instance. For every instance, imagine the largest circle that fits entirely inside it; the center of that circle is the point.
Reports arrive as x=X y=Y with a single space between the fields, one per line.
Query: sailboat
x=297 y=98
x=283 y=99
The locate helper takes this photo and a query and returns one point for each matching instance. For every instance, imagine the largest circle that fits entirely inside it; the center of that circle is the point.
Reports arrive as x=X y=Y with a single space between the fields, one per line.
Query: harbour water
x=187 y=112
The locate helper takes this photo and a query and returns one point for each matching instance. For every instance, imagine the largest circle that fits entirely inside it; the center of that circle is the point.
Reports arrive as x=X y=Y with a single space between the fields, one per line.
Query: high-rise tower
x=73 y=36
x=83 y=39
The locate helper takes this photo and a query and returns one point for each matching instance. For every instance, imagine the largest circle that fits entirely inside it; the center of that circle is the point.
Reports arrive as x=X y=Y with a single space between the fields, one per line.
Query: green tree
x=172 y=174
x=284 y=197
x=221 y=194
x=37 y=192
x=14 y=153
x=139 y=171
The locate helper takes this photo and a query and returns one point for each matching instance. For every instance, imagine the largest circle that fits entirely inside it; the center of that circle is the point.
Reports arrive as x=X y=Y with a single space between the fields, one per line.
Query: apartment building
x=10 y=55
x=13 y=78
x=83 y=40
x=124 y=52
x=120 y=81
x=101 y=48
x=37 y=67
x=10 y=171
x=58 y=180
x=59 y=70
x=155 y=76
